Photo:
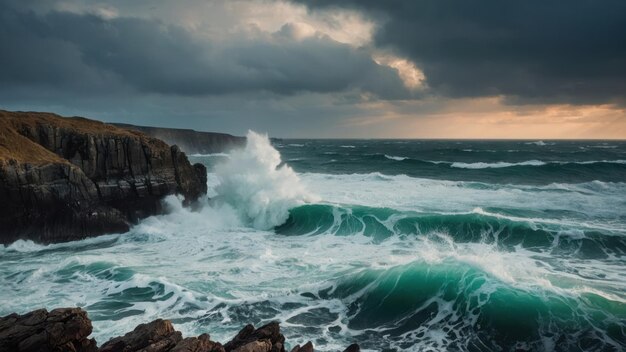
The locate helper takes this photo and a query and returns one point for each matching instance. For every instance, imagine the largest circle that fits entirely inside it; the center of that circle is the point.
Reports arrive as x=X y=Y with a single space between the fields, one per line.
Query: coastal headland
x=64 y=179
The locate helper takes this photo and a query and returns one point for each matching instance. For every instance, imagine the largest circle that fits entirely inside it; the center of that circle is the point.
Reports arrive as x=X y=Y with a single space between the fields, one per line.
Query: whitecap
x=496 y=165
x=539 y=143
x=396 y=158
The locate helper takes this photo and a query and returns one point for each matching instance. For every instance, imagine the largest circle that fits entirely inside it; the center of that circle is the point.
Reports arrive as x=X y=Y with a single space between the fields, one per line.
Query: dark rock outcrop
x=68 y=329
x=266 y=338
x=201 y=343
x=191 y=141
x=68 y=178
x=65 y=329
x=353 y=348
x=307 y=347
x=158 y=335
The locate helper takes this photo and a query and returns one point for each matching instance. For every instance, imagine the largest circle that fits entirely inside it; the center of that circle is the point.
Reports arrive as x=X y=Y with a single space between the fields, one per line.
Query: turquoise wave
x=459 y=307
x=507 y=231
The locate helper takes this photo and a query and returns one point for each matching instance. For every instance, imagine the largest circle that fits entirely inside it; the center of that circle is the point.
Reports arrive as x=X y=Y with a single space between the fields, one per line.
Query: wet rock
x=255 y=346
x=353 y=348
x=65 y=329
x=68 y=329
x=157 y=336
x=307 y=347
x=65 y=179
x=277 y=347
x=269 y=332
x=201 y=343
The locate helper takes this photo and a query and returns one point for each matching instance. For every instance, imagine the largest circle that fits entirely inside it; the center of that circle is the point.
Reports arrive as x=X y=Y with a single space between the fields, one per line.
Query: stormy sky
x=324 y=68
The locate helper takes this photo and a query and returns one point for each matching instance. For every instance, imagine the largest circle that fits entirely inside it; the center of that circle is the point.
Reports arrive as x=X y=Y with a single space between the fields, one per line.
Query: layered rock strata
x=64 y=179
x=191 y=141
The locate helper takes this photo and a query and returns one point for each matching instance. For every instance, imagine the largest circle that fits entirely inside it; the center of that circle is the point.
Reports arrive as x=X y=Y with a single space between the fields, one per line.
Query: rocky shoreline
x=68 y=329
x=64 y=179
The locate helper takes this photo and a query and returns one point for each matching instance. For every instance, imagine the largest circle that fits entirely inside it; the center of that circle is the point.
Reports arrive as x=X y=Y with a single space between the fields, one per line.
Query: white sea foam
x=214 y=268
x=598 y=161
x=540 y=143
x=418 y=194
x=396 y=158
x=496 y=165
x=603 y=146
x=502 y=164
x=198 y=155
x=254 y=184
x=24 y=246
x=573 y=223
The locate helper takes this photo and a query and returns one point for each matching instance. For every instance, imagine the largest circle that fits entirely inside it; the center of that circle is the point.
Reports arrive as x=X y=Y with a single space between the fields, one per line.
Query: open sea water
x=399 y=245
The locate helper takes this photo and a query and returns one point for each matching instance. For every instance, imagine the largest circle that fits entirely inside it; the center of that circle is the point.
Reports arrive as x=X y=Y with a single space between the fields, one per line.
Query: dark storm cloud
x=88 y=54
x=530 y=51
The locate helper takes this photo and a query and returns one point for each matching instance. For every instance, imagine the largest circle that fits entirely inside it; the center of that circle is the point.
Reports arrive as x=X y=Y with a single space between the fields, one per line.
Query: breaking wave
x=257 y=186
x=388 y=261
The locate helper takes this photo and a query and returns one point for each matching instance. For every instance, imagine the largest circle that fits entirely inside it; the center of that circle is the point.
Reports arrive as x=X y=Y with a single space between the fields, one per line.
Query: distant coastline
x=190 y=141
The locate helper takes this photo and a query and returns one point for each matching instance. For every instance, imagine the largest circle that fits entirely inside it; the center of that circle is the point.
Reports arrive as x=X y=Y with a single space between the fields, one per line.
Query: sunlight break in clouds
x=487 y=118
x=366 y=69
x=412 y=76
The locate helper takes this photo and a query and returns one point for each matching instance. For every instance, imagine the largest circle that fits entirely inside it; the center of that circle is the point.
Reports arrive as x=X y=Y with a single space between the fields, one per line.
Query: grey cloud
x=87 y=54
x=532 y=51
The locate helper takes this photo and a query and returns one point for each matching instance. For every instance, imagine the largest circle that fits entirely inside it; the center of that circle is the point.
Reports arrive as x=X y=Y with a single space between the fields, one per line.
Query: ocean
x=398 y=245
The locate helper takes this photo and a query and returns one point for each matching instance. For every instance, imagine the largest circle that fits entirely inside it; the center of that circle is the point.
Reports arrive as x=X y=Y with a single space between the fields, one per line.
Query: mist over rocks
x=191 y=141
x=68 y=329
x=64 y=179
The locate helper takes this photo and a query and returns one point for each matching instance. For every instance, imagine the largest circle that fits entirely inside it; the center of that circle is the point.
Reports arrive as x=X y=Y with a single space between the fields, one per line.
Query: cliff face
x=190 y=141
x=69 y=178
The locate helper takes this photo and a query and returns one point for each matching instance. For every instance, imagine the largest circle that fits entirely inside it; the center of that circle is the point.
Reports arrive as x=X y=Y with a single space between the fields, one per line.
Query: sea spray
x=254 y=182
x=400 y=255
x=207 y=216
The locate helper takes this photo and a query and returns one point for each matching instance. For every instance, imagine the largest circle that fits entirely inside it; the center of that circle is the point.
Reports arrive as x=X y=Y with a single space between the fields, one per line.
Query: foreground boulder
x=65 y=329
x=201 y=343
x=158 y=335
x=308 y=347
x=64 y=179
x=68 y=329
x=264 y=339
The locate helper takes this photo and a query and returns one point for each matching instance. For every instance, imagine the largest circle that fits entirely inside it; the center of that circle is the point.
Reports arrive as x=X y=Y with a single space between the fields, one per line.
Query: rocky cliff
x=190 y=141
x=68 y=329
x=68 y=178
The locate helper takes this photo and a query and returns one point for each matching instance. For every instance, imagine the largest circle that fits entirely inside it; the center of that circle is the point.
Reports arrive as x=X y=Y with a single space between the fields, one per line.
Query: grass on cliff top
x=16 y=146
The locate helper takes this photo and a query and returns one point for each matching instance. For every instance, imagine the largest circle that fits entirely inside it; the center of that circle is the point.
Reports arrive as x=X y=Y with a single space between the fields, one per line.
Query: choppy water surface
x=397 y=245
